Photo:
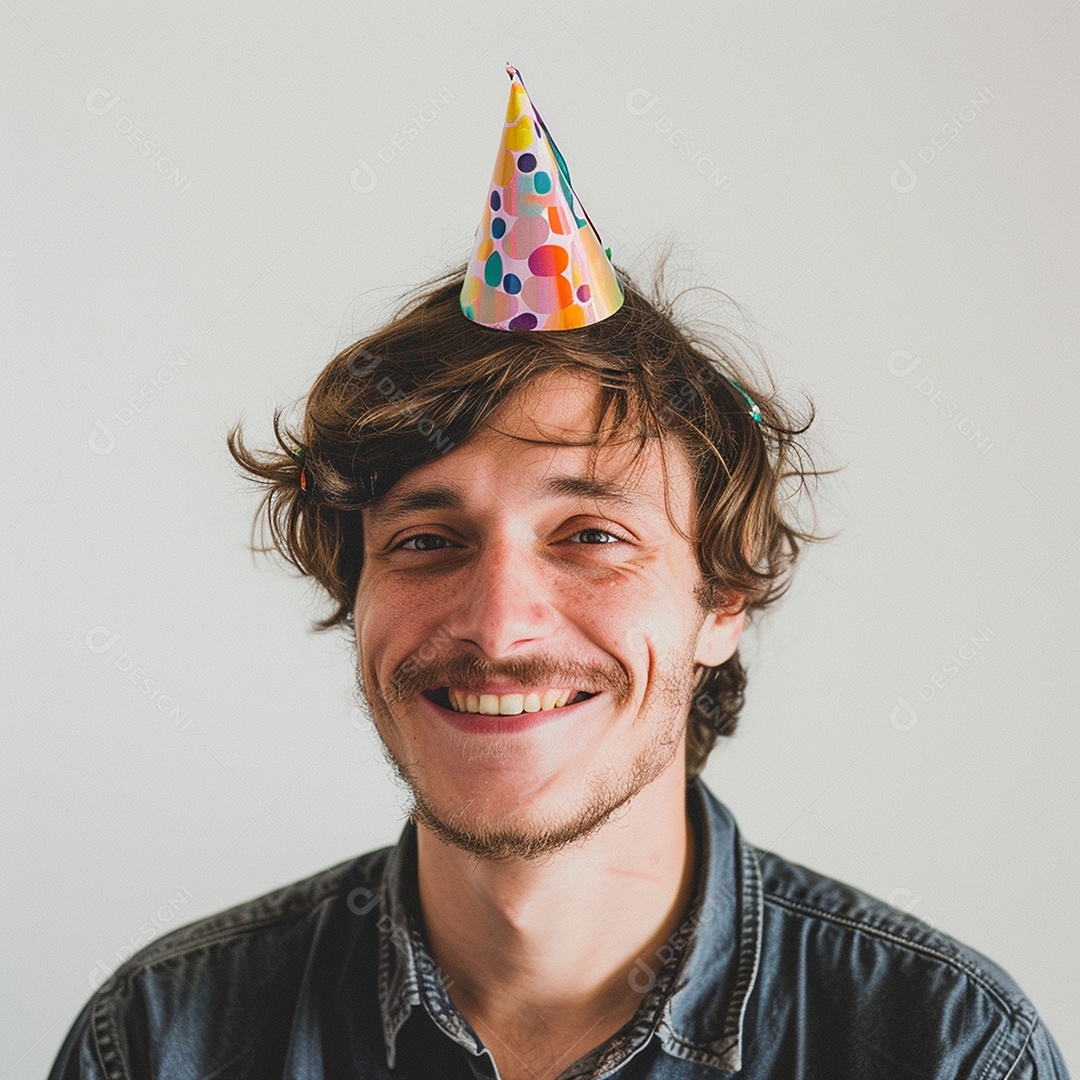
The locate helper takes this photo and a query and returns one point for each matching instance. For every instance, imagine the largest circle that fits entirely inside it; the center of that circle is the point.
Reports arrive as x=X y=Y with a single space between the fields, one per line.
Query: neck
x=561 y=937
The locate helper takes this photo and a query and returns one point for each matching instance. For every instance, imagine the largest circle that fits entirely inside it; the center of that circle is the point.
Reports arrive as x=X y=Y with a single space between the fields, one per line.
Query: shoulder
x=840 y=912
x=891 y=978
x=288 y=907
x=284 y=911
x=243 y=969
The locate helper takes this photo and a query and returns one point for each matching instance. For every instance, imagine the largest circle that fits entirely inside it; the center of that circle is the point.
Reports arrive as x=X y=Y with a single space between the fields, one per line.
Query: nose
x=504 y=604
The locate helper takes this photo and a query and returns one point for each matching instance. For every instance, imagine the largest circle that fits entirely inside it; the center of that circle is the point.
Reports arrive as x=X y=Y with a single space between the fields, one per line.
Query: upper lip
x=502 y=689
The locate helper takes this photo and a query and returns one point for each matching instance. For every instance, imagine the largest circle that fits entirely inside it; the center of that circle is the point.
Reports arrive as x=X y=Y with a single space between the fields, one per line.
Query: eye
x=591 y=537
x=423 y=542
x=610 y=537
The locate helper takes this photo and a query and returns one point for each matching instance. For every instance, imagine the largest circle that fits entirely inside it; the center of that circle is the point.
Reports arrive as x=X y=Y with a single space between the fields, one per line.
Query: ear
x=719 y=636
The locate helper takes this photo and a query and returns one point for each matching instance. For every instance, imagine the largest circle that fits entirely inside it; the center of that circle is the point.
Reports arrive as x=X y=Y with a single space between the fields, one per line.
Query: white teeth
x=508 y=704
x=555 y=699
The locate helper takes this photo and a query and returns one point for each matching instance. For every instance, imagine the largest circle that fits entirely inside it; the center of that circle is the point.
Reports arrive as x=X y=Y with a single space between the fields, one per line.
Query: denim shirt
x=775 y=972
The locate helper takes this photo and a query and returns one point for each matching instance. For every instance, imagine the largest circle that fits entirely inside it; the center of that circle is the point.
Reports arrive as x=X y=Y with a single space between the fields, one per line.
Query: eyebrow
x=450 y=496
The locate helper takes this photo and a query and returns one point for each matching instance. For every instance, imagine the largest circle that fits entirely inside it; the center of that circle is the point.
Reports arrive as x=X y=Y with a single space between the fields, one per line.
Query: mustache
x=471 y=672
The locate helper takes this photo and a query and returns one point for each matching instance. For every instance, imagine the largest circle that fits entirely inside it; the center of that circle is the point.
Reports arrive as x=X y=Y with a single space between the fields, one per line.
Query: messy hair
x=427 y=379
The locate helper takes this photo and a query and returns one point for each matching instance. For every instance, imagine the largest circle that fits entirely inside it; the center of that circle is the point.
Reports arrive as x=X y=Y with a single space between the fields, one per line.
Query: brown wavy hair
x=429 y=378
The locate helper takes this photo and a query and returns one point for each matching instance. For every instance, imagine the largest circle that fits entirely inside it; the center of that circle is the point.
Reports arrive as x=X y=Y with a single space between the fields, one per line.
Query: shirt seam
x=107 y=1043
x=997 y=1050
x=1020 y=1053
x=701 y=1055
x=725 y=1053
x=224 y=934
x=106 y=1036
x=1012 y=1010
x=194 y=937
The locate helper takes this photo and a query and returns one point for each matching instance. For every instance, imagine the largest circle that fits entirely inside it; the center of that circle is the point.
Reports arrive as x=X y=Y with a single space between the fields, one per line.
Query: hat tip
x=538 y=262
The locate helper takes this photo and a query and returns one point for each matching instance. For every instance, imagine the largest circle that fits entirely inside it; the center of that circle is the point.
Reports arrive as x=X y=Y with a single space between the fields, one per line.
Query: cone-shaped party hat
x=538 y=264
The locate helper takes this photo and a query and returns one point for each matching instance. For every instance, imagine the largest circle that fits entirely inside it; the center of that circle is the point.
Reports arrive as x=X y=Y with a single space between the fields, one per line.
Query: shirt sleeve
x=1041 y=1059
x=80 y=1056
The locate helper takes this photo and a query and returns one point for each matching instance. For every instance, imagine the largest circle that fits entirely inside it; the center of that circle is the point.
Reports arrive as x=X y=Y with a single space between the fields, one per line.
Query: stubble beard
x=608 y=790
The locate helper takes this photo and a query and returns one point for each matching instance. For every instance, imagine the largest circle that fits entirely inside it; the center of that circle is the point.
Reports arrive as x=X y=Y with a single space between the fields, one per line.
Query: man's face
x=500 y=585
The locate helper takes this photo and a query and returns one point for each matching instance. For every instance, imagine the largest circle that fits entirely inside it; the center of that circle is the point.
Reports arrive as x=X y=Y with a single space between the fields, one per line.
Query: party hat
x=538 y=264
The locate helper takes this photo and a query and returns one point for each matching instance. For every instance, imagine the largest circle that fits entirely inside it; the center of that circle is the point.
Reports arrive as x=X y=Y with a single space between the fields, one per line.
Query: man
x=546 y=601
x=545 y=547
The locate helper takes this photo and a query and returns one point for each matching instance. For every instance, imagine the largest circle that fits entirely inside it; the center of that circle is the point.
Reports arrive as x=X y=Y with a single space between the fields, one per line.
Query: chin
x=517 y=819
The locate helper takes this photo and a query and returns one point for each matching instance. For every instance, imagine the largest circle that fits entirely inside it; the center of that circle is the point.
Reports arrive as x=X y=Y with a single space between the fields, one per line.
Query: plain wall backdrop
x=203 y=203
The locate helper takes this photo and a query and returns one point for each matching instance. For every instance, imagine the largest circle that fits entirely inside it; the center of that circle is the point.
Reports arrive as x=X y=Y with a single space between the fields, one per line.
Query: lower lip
x=482 y=724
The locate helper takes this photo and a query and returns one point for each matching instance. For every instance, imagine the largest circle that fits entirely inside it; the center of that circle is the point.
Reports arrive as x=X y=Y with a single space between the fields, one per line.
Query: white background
x=306 y=180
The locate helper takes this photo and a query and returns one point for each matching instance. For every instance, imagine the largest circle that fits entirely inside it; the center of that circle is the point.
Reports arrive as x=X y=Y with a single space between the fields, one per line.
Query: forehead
x=560 y=406
x=542 y=441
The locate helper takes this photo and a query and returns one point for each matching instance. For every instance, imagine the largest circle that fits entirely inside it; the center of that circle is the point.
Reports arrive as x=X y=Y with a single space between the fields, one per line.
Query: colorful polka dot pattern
x=539 y=263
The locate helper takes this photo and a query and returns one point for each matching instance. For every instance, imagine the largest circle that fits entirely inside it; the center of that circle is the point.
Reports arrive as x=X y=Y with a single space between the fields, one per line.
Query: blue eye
x=612 y=538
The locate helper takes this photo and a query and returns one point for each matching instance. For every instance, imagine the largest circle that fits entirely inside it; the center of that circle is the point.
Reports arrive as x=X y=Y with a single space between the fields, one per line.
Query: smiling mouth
x=540 y=700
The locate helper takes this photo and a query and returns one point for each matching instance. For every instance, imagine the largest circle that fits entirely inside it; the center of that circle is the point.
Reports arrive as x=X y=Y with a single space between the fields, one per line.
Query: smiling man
x=568 y=594
x=545 y=547
x=555 y=713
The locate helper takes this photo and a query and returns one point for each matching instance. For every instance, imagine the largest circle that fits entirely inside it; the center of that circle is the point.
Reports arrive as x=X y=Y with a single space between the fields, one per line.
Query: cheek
x=394 y=624
x=628 y=613
x=378 y=604
x=658 y=648
x=372 y=630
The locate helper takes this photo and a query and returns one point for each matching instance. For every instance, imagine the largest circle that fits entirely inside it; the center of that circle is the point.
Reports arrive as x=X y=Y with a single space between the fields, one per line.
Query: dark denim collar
x=700 y=1021
x=704 y=1017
